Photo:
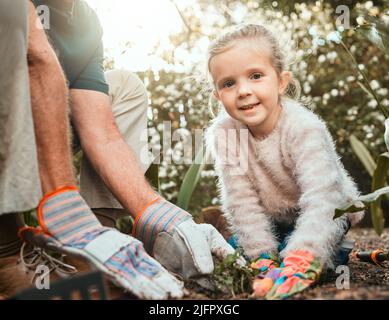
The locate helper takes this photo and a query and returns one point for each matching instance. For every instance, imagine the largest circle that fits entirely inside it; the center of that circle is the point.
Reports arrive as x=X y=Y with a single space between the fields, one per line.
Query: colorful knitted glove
x=266 y=262
x=298 y=271
x=68 y=225
x=177 y=242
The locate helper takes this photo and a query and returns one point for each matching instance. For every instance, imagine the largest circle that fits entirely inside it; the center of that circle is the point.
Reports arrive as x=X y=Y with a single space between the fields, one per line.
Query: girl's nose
x=244 y=90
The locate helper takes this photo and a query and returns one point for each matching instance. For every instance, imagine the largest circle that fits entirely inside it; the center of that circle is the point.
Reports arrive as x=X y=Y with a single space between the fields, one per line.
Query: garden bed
x=367 y=281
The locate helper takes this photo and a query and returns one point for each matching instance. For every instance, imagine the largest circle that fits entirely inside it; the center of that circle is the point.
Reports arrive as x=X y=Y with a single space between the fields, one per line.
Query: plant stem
x=372 y=92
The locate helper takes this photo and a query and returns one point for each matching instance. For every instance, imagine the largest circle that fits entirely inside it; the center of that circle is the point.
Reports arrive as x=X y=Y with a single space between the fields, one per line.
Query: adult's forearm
x=103 y=145
x=49 y=109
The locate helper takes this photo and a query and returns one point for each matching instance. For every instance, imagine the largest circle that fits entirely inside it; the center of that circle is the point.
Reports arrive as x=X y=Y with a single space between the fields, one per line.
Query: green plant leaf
x=191 y=179
x=152 y=174
x=365 y=199
x=230 y=277
x=386 y=135
x=376 y=31
x=379 y=181
x=365 y=78
x=363 y=155
x=30 y=218
x=374 y=36
x=374 y=195
x=363 y=87
x=348 y=208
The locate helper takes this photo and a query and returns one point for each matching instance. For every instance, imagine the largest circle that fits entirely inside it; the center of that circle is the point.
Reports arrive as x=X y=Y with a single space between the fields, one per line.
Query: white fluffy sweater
x=293 y=175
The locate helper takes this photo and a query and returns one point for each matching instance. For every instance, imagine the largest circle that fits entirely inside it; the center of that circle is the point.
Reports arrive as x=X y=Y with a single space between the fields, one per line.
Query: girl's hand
x=266 y=262
x=298 y=271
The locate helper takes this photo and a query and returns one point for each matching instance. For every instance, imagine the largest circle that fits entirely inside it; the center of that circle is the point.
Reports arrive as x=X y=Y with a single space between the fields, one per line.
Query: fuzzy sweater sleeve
x=240 y=201
x=325 y=186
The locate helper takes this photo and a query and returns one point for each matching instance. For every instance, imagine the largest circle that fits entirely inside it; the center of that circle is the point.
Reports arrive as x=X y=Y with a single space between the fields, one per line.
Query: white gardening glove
x=68 y=225
x=171 y=236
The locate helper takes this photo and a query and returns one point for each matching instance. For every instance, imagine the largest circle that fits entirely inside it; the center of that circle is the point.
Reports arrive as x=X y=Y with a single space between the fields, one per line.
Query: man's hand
x=177 y=242
x=68 y=225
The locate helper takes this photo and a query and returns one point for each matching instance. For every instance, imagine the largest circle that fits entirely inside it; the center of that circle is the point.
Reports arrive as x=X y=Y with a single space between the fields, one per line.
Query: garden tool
x=90 y=286
x=375 y=257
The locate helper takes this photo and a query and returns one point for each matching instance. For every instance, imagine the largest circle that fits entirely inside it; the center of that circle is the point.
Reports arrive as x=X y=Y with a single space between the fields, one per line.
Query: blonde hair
x=252 y=32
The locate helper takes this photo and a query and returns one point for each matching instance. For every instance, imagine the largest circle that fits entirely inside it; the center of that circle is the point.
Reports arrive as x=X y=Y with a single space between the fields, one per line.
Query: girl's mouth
x=249 y=106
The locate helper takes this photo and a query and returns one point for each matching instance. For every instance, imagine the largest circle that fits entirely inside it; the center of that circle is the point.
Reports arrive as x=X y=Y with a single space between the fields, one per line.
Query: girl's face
x=248 y=85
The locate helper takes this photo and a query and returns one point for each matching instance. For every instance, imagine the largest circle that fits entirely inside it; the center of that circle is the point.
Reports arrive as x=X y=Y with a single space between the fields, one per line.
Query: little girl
x=280 y=177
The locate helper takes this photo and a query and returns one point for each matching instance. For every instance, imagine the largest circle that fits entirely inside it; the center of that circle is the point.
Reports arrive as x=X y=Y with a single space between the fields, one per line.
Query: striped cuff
x=65 y=215
x=160 y=215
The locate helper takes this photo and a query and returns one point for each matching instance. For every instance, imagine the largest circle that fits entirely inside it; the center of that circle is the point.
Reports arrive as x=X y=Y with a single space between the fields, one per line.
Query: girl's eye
x=256 y=76
x=228 y=83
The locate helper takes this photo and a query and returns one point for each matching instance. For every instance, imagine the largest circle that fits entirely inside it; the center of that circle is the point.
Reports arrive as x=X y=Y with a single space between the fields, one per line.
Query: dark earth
x=367 y=281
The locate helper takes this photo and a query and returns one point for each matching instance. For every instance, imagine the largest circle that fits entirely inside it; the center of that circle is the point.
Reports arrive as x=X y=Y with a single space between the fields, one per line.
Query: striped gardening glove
x=68 y=225
x=298 y=271
x=177 y=242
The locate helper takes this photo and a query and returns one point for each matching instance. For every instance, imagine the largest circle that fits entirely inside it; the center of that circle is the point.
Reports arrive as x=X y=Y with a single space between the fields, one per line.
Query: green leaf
x=231 y=277
x=363 y=87
x=386 y=135
x=374 y=195
x=152 y=174
x=191 y=179
x=365 y=199
x=367 y=81
x=376 y=31
x=30 y=218
x=374 y=36
x=363 y=155
x=348 y=208
x=379 y=181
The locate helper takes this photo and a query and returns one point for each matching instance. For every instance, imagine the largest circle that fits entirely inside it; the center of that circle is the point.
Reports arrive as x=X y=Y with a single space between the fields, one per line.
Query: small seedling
x=229 y=277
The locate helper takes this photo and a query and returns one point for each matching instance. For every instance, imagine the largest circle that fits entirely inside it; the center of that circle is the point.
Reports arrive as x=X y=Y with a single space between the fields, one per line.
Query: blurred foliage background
x=331 y=85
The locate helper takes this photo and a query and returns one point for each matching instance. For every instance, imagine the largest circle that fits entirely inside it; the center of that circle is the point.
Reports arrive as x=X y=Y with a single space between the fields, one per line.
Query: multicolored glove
x=68 y=225
x=172 y=237
x=298 y=271
x=266 y=262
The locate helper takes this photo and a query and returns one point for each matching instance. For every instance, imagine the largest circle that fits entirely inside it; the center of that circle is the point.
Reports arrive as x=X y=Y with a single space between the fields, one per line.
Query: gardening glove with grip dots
x=298 y=271
x=172 y=237
x=68 y=225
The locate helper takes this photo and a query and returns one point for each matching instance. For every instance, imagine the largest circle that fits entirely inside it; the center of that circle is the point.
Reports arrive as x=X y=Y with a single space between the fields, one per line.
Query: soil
x=367 y=281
